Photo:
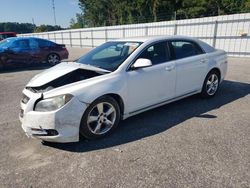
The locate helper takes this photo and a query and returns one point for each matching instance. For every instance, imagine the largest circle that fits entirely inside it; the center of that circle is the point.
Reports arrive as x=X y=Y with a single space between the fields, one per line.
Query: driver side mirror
x=141 y=63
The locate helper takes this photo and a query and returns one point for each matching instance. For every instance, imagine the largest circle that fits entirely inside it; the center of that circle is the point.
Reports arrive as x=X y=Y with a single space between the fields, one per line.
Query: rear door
x=191 y=66
x=35 y=51
x=44 y=47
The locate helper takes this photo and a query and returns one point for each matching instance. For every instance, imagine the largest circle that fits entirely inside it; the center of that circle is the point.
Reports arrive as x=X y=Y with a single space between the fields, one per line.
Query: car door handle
x=203 y=61
x=169 y=67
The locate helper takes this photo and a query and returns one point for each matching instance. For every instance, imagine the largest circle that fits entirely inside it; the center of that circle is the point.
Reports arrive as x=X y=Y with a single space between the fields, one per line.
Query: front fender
x=88 y=90
x=114 y=85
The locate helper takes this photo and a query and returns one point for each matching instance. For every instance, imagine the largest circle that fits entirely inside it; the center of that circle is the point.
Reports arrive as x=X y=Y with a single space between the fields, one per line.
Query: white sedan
x=117 y=80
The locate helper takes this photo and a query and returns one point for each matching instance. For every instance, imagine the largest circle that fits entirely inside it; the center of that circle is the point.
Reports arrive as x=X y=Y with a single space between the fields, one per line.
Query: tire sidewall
x=50 y=55
x=84 y=130
x=1 y=66
x=204 y=93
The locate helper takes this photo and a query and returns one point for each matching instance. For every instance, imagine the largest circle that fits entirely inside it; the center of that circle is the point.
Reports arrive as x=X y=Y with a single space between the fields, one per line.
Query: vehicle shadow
x=161 y=119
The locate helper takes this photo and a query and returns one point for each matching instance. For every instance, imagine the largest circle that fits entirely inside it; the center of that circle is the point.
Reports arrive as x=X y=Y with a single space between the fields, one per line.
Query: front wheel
x=100 y=118
x=53 y=59
x=211 y=84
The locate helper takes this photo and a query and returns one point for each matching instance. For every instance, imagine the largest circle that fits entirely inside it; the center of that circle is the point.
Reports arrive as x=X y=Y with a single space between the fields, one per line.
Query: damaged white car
x=117 y=80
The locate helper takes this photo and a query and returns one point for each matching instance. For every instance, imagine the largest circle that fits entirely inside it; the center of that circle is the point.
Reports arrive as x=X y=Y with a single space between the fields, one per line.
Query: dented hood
x=60 y=70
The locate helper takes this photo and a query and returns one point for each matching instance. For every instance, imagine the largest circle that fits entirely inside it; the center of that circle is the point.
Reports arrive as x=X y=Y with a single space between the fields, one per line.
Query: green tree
x=46 y=28
x=246 y=6
x=115 y=12
x=16 y=27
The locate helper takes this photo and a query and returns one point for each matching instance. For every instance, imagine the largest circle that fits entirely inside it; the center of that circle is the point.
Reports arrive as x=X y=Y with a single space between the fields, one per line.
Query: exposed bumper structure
x=61 y=125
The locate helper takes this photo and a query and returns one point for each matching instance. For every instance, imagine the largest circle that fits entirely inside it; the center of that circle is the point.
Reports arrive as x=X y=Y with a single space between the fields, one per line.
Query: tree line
x=95 y=13
x=26 y=27
x=115 y=12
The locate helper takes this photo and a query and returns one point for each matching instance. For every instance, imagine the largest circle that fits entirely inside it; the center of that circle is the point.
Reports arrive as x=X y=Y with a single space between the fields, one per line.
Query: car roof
x=20 y=38
x=155 y=38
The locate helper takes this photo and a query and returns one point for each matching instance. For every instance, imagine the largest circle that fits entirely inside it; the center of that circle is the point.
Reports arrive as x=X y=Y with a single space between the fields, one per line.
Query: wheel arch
x=118 y=99
x=215 y=69
x=50 y=53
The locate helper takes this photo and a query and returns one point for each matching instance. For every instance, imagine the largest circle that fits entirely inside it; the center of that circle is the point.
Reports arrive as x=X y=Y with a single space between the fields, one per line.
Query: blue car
x=17 y=52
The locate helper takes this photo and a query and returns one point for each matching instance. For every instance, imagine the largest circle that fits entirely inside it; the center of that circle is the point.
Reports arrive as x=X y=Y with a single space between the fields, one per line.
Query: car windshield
x=110 y=55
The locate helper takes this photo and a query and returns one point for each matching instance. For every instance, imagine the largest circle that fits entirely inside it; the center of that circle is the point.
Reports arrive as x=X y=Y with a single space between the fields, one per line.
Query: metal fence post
x=62 y=36
x=48 y=36
x=106 y=34
x=146 y=30
x=54 y=36
x=80 y=38
x=215 y=33
x=70 y=39
x=92 y=39
x=175 y=29
x=123 y=32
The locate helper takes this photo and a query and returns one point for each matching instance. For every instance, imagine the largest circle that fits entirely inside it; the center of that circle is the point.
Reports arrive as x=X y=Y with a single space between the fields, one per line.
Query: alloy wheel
x=212 y=84
x=53 y=59
x=101 y=118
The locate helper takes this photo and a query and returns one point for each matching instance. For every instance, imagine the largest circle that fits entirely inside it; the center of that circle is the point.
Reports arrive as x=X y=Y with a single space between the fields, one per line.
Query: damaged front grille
x=74 y=76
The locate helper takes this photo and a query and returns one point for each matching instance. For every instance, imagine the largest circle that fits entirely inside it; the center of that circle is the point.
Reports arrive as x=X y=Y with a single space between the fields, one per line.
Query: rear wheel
x=2 y=60
x=53 y=59
x=1 y=65
x=211 y=84
x=100 y=118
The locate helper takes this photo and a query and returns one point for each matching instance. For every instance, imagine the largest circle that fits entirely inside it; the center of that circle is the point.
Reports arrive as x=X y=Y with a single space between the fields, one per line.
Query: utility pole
x=34 y=26
x=54 y=10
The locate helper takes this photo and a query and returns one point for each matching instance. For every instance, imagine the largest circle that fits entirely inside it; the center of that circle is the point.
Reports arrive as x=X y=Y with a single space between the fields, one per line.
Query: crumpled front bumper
x=61 y=125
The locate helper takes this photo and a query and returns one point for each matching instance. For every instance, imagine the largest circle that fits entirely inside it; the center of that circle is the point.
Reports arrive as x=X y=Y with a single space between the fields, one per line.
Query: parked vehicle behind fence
x=18 y=52
x=5 y=35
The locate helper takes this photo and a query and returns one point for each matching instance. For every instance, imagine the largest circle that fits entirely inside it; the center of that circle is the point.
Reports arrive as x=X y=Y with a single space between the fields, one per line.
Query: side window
x=22 y=44
x=43 y=43
x=51 y=44
x=33 y=44
x=184 y=49
x=157 y=53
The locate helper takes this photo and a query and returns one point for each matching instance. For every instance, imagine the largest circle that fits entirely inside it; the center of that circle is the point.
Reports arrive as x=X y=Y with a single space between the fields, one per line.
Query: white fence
x=230 y=32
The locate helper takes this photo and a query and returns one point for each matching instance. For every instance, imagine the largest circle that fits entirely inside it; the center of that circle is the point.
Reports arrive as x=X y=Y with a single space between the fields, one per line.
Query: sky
x=41 y=11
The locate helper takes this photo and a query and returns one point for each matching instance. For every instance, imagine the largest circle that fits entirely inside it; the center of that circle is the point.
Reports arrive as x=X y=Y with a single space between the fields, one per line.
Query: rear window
x=45 y=43
x=184 y=49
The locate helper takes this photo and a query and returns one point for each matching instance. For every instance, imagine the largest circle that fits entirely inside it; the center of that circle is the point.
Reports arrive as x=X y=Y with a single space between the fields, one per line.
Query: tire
x=211 y=84
x=1 y=66
x=53 y=59
x=100 y=118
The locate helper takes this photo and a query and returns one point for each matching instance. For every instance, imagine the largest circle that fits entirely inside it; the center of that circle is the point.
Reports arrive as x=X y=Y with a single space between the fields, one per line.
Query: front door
x=151 y=85
x=19 y=52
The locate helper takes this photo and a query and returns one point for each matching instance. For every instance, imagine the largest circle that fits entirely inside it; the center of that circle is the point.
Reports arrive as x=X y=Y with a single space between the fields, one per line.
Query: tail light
x=62 y=45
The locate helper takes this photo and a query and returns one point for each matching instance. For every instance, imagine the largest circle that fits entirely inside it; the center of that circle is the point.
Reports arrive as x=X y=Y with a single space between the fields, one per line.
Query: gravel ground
x=189 y=143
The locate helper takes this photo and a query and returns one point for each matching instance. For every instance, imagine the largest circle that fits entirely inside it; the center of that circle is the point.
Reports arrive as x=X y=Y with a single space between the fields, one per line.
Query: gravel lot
x=189 y=143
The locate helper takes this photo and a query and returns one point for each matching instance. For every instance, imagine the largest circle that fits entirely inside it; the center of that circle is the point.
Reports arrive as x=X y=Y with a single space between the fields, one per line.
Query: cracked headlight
x=53 y=103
